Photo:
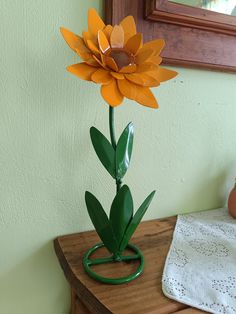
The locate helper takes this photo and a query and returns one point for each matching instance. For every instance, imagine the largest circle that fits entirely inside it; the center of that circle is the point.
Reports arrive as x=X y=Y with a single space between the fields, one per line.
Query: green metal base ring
x=114 y=281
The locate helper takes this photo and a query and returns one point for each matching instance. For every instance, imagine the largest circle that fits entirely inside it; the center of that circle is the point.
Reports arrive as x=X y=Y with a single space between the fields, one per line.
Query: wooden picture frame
x=194 y=37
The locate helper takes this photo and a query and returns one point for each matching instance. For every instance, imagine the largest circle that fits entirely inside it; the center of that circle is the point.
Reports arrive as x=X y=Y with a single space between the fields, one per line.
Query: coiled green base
x=115 y=258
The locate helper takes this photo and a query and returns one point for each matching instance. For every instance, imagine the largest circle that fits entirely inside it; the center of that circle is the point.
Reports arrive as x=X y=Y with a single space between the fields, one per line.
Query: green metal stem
x=113 y=140
x=112 y=127
x=118 y=185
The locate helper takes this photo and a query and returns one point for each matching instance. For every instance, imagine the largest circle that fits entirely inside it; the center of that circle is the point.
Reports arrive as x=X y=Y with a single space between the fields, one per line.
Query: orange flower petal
x=142 y=56
x=82 y=70
x=142 y=79
x=75 y=42
x=147 y=67
x=107 y=31
x=101 y=76
x=129 y=27
x=134 y=43
x=135 y=78
x=101 y=63
x=92 y=61
x=95 y=23
x=94 y=49
x=117 y=37
x=155 y=59
x=163 y=74
x=128 y=69
x=103 y=42
x=112 y=94
x=118 y=76
x=108 y=61
x=142 y=95
x=157 y=45
x=86 y=36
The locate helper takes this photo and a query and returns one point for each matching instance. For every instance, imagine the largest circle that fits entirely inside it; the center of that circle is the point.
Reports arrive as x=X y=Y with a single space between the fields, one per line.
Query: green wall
x=186 y=150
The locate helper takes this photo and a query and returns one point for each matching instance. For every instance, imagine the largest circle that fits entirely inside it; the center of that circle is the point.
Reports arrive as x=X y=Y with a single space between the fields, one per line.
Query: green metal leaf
x=121 y=212
x=136 y=220
x=124 y=150
x=104 y=150
x=101 y=222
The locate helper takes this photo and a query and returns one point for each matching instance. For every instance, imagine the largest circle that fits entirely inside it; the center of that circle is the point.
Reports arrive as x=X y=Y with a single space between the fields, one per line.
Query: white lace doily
x=200 y=268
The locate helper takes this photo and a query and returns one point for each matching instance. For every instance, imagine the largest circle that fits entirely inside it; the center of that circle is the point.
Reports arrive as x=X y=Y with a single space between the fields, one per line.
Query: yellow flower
x=117 y=58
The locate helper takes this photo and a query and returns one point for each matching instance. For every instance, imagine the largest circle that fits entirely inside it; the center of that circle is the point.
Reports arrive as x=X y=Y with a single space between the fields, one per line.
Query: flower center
x=121 y=57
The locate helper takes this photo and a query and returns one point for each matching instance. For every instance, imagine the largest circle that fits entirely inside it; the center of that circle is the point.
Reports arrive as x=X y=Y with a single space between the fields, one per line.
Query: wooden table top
x=141 y=296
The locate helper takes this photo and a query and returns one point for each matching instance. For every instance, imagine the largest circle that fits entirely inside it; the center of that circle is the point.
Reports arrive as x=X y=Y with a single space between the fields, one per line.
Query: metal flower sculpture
x=116 y=58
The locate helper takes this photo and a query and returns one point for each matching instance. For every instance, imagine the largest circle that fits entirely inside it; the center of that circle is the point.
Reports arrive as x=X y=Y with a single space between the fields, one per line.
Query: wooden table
x=141 y=296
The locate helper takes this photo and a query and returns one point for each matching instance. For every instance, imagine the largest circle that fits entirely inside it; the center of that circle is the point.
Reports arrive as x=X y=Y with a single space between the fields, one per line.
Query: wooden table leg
x=77 y=306
x=73 y=302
